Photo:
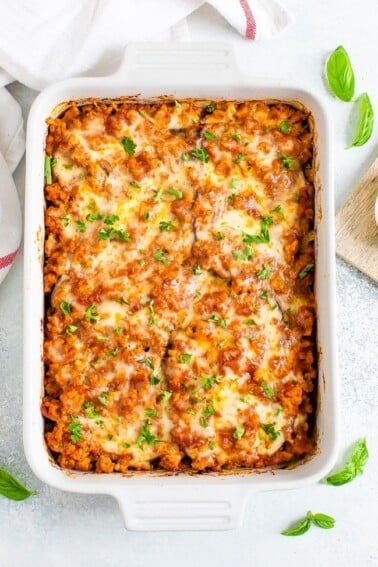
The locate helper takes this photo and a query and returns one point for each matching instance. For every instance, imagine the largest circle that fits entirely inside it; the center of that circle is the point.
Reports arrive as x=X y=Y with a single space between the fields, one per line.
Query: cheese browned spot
x=180 y=319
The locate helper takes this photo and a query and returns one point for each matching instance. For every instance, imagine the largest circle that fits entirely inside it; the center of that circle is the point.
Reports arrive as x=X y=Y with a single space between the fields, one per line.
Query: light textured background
x=59 y=529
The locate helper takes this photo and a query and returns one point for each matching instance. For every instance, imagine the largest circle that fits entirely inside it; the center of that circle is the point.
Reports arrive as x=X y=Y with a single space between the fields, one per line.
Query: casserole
x=153 y=500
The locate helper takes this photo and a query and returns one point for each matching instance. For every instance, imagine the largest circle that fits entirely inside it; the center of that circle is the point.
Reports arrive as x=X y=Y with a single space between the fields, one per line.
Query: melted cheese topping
x=179 y=282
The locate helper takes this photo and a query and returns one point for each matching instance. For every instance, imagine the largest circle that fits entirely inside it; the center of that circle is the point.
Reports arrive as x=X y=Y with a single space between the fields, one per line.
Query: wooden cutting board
x=356 y=230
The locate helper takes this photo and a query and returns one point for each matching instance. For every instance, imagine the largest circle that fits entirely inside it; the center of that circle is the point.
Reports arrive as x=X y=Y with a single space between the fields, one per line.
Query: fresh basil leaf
x=366 y=121
x=342 y=477
x=11 y=488
x=300 y=528
x=360 y=455
x=340 y=74
x=323 y=521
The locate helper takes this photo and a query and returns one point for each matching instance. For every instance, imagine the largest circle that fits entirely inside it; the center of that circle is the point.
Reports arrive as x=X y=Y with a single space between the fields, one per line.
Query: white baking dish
x=155 y=501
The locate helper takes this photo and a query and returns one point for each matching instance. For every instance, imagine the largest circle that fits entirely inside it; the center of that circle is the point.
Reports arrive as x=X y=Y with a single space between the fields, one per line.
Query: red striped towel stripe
x=8 y=259
x=250 y=32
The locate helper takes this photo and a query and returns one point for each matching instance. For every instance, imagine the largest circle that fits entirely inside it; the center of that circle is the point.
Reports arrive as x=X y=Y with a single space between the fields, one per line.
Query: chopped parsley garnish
x=110 y=219
x=158 y=195
x=210 y=108
x=210 y=381
x=278 y=211
x=145 y=436
x=284 y=126
x=209 y=135
x=211 y=445
x=209 y=410
x=197 y=271
x=185 y=357
x=234 y=183
x=185 y=157
x=150 y=413
x=103 y=398
x=135 y=184
x=147 y=362
x=90 y=410
x=71 y=329
x=82 y=226
x=166 y=225
x=222 y=343
x=160 y=256
x=231 y=197
x=216 y=319
x=112 y=234
x=287 y=161
x=177 y=104
x=91 y=313
x=263 y=274
x=113 y=352
x=203 y=422
x=244 y=255
x=165 y=395
x=125 y=444
x=118 y=330
x=68 y=165
x=123 y=301
x=240 y=158
x=201 y=154
x=128 y=146
x=75 y=428
x=152 y=379
x=250 y=322
x=65 y=307
x=218 y=235
x=302 y=274
x=66 y=220
x=49 y=163
x=175 y=192
x=278 y=411
x=264 y=296
x=92 y=217
x=147 y=215
x=238 y=433
x=263 y=237
x=268 y=391
x=270 y=430
x=236 y=136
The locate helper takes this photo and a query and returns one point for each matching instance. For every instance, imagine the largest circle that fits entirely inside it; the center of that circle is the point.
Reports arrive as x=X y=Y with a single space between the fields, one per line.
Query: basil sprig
x=11 y=488
x=340 y=74
x=353 y=466
x=365 y=122
x=302 y=526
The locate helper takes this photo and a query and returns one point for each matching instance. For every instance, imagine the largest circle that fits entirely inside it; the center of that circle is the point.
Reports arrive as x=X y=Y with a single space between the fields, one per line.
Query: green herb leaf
x=209 y=135
x=160 y=256
x=145 y=436
x=245 y=255
x=234 y=183
x=75 y=428
x=65 y=307
x=264 y=273
x=147 y=362
x=176 y=193
x=353 y=466
x=216 y=319
x=91 y=315
x=166 y=225
x=303 y=273
x=123 y=301
x=323 y=521
x=71 y=329
x=158 y=195
x=235 y=136
x=165 y=395
x=284 y=127
x=135 y=184
x=203 y=422
x=287 y=161
x=240 y=158
x=209 y=381
x=299 y=528
x=49 y=163
x=208 y=410
x=218 y=236
x=12 y=488
x=238 y=433
x=128 y=146
x=340 y=74
x=66 y=220
x=103 y=398
x=263 y=237
x=360 y=455
x=110 y=219
x=270 y=430
x=150 y=413
x=197 y=271
x=201 y=154
x=82 y=226
x=90 y=410
x=153 y=380
x=185 y=157
x=279 y=212
x=210 y=108
x=185 y=357
x=268 y=391
x=92 y=217
x=366 y=121
x=249 y=322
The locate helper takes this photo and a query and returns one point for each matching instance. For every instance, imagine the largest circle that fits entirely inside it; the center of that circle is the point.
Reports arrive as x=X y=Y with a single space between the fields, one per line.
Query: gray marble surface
x=59 y=529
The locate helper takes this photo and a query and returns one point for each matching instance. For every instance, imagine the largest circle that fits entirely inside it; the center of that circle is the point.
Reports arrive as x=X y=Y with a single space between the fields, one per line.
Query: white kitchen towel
x=43 y=41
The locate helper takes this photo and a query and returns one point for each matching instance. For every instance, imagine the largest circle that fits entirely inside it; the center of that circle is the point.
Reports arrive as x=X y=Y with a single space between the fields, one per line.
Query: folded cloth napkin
x=43 y=42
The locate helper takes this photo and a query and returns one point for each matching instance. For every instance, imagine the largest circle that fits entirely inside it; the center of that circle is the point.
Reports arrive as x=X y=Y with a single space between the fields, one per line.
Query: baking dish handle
x=163 y=508
x=179 y=63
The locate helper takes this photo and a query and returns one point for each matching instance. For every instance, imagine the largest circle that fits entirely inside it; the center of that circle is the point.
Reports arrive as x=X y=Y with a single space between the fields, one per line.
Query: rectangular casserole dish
x=152 y=501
